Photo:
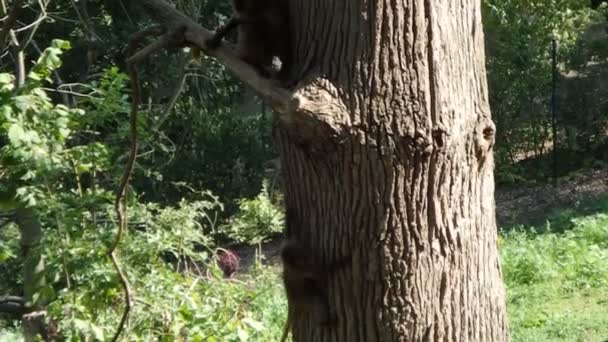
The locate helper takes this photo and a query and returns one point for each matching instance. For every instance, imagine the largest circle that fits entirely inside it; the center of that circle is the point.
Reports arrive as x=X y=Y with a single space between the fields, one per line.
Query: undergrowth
x=557 y=280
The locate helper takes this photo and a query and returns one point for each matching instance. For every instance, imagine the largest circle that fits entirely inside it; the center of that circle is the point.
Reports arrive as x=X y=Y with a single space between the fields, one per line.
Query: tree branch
x=15 y=299
x=33 y=27
x=19 y=59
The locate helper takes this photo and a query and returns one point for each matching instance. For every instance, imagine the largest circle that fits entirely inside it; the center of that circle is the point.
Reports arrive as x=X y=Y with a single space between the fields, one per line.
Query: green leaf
x=24 y=102
x=7 y=112
x=64 y=133
x=6 y=83
x=83 y=168
x=255 y=325
x=61 y=44
x=6 y=78
x=81 y=325
x=35 y=76
x=243 y=334
x=16 y=135
x=97 y=332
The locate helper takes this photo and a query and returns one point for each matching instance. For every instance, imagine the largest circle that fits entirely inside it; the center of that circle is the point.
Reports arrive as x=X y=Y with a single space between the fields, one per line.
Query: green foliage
x=56 y=160
x=184 y=231
x=221 y=148
x=556 y=282
x=88 y=302
x=210 y=138
x=257 y=220
x=518 y=43
x=578 y=255
x=10 y=261
x=10 y=334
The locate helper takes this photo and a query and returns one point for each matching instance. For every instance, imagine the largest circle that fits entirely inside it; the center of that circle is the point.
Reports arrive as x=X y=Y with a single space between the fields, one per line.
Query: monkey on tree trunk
x=306 y=283
x=263 y=33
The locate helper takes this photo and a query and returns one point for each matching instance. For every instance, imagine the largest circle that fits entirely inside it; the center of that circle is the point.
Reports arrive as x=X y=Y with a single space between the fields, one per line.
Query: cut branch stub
x=315 y=116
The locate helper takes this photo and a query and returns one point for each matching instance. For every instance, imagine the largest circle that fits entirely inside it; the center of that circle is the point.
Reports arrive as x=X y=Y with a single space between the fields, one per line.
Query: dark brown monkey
x=263 y=33
x=306 y=283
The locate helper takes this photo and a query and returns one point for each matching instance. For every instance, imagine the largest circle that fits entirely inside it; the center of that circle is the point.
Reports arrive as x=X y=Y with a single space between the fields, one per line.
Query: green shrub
x=257 y=220
x=556 y=282
x=56 y=167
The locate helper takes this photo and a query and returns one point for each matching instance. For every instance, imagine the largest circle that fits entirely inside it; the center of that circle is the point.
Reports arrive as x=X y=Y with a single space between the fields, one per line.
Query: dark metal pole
x=554 y=109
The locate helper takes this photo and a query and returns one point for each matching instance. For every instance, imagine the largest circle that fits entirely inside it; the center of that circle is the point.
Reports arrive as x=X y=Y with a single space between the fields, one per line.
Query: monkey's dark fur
x=263 y=33
x=306 y=283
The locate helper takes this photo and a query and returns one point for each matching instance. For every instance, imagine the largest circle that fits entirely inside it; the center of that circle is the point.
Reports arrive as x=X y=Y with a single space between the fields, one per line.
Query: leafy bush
x=10 y=334
x=519 y=61
x=53 y=162
x=257 y=221
x=556 y=282
x=578 y=256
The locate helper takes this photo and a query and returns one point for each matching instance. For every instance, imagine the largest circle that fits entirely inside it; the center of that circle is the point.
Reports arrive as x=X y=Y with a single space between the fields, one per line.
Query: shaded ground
x=523 y=205
x=532 y=205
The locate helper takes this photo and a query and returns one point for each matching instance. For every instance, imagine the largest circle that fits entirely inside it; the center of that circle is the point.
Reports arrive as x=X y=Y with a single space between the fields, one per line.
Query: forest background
x=207 y=177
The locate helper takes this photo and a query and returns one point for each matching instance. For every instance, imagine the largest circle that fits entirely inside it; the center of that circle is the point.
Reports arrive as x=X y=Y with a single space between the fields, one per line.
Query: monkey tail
x=287 y=326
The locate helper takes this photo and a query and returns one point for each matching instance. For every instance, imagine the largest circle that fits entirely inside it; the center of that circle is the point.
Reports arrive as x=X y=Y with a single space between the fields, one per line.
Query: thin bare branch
x=41 y=18
x=35 y=23
x=124 y=9
x=19 y=59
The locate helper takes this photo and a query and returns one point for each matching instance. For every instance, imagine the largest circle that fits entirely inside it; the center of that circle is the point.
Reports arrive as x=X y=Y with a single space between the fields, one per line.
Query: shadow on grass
x=557 y=219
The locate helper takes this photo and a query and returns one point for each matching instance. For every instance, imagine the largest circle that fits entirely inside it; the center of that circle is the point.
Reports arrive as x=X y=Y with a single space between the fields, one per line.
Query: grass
x=557 y=280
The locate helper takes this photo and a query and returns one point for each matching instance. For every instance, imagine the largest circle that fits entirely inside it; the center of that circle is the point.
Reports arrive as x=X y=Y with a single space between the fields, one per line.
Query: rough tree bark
x=406 y=184
x=386 y=148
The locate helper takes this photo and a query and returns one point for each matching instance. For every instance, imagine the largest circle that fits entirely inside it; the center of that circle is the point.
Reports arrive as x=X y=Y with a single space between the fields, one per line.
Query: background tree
x=518 y=37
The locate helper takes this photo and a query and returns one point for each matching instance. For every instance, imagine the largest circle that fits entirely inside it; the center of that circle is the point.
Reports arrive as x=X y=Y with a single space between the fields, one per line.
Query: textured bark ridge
x=386 y=146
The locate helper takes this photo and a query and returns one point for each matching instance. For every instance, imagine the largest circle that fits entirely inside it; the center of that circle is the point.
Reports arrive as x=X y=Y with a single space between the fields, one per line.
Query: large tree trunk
x=398 y=171
x=386 y=147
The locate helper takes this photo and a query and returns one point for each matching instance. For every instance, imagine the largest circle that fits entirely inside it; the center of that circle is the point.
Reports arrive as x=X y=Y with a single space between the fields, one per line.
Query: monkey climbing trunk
x=387 y=156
